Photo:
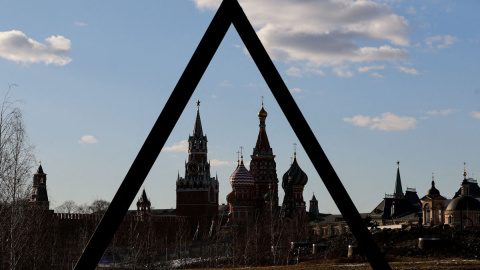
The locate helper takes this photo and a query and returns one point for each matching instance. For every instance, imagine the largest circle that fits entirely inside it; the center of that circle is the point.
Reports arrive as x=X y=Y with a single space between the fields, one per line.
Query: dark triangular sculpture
x=229 y=12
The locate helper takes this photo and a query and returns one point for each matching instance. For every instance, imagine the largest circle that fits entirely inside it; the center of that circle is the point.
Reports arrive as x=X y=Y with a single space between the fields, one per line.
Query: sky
x=377 y=81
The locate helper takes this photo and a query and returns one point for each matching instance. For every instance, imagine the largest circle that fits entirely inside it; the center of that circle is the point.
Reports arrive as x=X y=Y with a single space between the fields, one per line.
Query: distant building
x=398 y=207
x=39 y=197
x=464 y=209
x=143 y=205
x=313 y=211
x=433 y=207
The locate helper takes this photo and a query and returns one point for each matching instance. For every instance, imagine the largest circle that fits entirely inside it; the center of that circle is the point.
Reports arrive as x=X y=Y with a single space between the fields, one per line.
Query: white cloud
x=387 y=122
x=181 y=146
x=80 y=24
x=343 y=71
x=440 y=42
x=308 y=31
x=296 y=90
x=442 y=112
x=368 y=68
x=410 y=71
x=216 y=163
x=306 y=69
x=294 y=72
x=475 y=114
x=376 y=75
x=16 y=46
x=89 y=139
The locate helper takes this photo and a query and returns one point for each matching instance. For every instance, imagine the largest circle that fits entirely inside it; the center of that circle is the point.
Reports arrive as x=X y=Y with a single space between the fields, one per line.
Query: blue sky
x=378 y=81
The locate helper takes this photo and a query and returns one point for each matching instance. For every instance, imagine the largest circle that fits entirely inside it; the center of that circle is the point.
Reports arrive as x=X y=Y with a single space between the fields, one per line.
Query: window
x=440 y=213
x=427 y=213
x=450 y=219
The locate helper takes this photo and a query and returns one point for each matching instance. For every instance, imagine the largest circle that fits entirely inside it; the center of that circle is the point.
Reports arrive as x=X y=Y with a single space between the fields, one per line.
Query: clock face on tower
x=192 y=167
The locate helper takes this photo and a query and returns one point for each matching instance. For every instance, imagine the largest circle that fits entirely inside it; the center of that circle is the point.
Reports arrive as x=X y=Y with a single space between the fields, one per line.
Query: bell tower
x=197 y=192
x=39 y=196
x=263 y=168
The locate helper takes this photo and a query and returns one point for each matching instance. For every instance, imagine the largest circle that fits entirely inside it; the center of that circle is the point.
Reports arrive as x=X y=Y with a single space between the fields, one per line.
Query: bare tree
x=67 y=207
x=16 y=163
x=98 y=207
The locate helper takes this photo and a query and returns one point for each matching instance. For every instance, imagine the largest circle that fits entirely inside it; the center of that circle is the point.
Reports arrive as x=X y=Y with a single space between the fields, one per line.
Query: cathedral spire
x=262 y=146
x=197 y=128
x=398 y=182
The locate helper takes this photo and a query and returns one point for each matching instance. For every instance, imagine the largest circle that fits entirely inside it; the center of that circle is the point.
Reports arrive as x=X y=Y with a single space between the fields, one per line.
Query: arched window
x=440 y=213
x=450 y=219
x=427 y=213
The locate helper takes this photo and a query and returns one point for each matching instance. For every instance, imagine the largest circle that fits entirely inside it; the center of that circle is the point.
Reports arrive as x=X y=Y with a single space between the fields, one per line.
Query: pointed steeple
x=144 y=198
x=262 y=147
x=398 y=182
x=197 y=128
x=40 y=169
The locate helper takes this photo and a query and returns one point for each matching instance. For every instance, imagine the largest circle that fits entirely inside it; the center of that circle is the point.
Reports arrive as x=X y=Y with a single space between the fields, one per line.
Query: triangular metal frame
x=228 y=13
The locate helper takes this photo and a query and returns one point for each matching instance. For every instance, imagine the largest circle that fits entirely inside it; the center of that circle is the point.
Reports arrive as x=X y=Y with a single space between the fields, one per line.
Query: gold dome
x=262 y=113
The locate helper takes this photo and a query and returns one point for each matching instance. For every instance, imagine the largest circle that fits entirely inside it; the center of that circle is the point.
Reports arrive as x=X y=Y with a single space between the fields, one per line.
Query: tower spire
x=294 y=150
x=197 y=128
x=398 y=182
x=262 y=146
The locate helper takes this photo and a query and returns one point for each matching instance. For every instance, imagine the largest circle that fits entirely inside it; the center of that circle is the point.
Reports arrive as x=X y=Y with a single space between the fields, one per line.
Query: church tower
x=197 y=192
x=313 y=211
x=263 y=168
x=39 y=196
x=293 y=183
x=143 y=205
x=398 y=192
x=239 y=200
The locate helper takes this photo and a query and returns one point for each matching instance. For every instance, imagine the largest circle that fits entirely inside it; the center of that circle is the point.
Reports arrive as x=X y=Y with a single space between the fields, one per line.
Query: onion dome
x=298 y=176
x=463 y=203
x=241 y=176
x=262 y=112
x=433 y=191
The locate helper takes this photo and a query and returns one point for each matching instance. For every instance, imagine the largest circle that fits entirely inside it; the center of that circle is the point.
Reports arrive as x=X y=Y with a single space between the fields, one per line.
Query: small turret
x=143 y=205
x=39 y=197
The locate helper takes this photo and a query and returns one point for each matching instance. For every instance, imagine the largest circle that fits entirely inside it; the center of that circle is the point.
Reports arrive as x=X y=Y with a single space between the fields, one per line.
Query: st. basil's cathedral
x=254 y=191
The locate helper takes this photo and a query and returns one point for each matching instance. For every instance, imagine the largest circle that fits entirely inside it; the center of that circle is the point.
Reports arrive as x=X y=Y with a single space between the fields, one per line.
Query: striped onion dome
x=241 y=176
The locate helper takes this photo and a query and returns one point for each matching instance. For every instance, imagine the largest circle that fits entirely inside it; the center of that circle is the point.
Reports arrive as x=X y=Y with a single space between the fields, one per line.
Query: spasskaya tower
x=197 y=192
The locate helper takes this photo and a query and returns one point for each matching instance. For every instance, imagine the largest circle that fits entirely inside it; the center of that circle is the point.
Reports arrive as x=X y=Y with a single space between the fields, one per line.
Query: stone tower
x=263 y=168
x=143 y=205
x=197 y=192
x=39 y=196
